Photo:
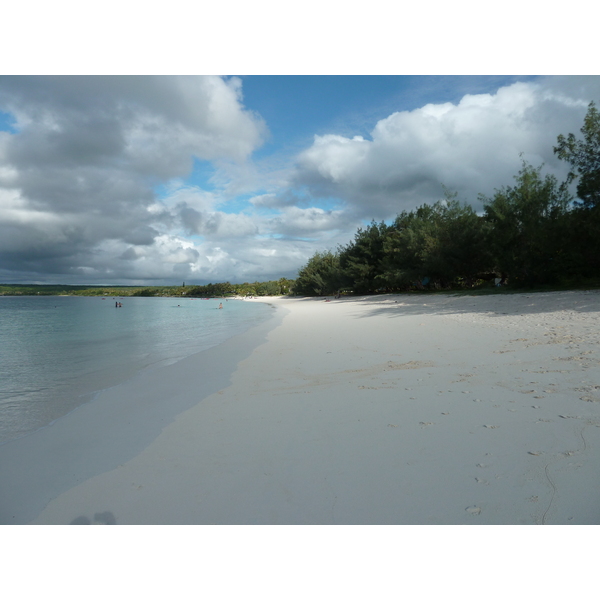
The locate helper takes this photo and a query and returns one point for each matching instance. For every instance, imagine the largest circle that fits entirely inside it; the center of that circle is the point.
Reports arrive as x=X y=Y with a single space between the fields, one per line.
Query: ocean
x=58 y=352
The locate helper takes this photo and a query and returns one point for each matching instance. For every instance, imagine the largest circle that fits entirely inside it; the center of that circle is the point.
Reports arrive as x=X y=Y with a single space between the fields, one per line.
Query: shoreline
x=113 y=427
x=78 y=377
x=387 y=409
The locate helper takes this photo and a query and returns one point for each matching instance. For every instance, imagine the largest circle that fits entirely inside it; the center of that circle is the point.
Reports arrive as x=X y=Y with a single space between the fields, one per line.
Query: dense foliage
x=531 y=233
x=584 y=157
x=65 y=290
x=321 y=275
x=265 y=288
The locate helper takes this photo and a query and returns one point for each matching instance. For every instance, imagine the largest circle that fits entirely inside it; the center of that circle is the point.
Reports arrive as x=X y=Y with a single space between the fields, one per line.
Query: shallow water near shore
x=59 y=351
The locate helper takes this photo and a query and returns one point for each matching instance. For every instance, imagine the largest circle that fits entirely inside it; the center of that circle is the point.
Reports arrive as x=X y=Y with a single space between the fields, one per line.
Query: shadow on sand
x=494 y=305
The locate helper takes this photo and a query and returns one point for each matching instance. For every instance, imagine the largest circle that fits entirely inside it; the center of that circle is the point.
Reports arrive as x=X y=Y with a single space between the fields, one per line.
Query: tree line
x=531 y=233
x=259 y=288
x=26 y=289
x=280 y=287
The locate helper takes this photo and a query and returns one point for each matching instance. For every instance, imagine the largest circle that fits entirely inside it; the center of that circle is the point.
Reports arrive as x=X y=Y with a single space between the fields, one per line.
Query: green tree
x=145 y=292
x=285 y=285
x=584 y=158
x=440 y=244
x=361 y=260
x=529 y=236
x=246 y=289
x=405 y=248
x=320 y=276
x=267 y=288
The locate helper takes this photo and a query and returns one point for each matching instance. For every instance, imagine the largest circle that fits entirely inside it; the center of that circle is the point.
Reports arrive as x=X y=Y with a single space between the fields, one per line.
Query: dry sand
x=393 y=409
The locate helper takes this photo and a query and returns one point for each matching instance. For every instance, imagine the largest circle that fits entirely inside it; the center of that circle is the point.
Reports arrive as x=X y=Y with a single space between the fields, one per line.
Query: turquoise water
x=57 y=351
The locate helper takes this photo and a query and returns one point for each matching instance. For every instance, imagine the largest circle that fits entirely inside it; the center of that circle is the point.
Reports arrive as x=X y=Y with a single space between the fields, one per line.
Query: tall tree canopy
x=321 y=275
x=584 y=157
x=361 y=260
x=438 y=243
x=529 y=235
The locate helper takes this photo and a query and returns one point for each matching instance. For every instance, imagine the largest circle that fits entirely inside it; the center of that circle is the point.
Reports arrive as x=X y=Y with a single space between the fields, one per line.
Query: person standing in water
x=220 y=305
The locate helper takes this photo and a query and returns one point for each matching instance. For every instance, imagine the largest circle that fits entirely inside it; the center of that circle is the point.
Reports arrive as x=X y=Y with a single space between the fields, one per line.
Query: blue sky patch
x=8 y=122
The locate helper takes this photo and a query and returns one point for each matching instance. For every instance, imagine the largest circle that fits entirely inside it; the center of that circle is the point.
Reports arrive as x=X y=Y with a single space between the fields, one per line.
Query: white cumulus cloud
x=473 y=147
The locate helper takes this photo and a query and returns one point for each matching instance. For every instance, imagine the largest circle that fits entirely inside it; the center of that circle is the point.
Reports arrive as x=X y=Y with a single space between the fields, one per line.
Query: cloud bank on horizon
x=155 y=180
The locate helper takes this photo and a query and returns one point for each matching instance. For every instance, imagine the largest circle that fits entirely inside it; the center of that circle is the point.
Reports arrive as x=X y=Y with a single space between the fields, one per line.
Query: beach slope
x=393 y=409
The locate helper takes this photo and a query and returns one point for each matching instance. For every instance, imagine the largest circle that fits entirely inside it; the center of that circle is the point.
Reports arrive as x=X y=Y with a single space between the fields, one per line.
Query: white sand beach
x=392 y=409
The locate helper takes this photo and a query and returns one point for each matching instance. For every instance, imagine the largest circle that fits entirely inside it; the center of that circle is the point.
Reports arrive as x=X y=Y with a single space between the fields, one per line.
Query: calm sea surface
x=57 y=351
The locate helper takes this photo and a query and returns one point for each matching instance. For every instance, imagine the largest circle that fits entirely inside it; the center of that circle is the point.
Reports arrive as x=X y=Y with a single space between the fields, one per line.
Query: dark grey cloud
x=78 y=171
x=196 y=222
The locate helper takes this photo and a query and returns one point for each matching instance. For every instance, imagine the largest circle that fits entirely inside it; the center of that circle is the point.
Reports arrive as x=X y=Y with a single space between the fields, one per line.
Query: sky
x=232 y=141
x=162 y=179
